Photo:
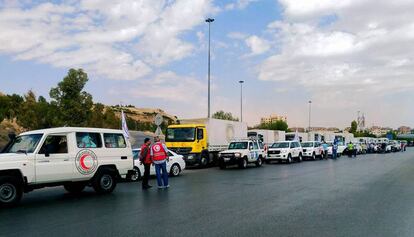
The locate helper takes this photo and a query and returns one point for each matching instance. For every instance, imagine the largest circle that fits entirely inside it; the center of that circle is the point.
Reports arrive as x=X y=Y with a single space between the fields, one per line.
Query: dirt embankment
x=6 y=127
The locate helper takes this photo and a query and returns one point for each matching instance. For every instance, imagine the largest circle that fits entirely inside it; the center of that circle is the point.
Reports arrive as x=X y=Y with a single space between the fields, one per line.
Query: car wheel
x=243 y=163
x=314 y=156
x=300 y=157
x=289 y=159
x=74 y=188
x=135 y=176
x=104 y=182
x=175 y=170
x=11 y=191
x=259 y=162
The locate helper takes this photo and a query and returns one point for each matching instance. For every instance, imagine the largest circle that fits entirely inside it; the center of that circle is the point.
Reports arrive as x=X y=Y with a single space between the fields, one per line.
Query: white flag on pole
x=296 y=136
x=124 y=125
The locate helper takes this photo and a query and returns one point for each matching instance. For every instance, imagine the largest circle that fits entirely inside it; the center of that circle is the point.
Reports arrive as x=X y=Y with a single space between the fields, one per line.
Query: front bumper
x=230 y=160
x=192 y=159
x=281 y=156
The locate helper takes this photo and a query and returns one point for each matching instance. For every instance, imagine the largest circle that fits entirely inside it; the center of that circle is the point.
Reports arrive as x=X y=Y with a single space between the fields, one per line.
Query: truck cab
x=241 y=153
x=190 y=141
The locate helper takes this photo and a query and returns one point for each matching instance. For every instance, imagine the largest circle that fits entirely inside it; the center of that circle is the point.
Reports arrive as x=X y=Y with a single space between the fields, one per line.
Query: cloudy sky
x=344 y=55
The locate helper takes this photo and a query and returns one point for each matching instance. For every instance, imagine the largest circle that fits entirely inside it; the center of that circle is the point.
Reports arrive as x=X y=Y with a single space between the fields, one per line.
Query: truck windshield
x=238 y=145
x=307 y=144
x=24 y=144
x=180 y=135
x=280 y=145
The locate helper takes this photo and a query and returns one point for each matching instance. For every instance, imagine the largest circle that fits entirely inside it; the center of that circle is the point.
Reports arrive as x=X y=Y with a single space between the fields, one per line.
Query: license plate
x=226 y=159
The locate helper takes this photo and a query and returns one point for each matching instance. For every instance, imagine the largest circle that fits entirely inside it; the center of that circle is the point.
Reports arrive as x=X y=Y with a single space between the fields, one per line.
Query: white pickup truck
x=72 y=157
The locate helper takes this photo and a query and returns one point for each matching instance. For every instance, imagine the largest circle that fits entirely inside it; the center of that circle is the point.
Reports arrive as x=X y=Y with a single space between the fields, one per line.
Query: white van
x=72 y=157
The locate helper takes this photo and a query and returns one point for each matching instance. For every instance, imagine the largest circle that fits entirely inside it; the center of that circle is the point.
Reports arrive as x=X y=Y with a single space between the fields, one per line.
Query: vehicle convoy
x=72 y=157
x=287 y=151
x=175 y=165
x=200 y=140
x=312 y=150
x=241 y=153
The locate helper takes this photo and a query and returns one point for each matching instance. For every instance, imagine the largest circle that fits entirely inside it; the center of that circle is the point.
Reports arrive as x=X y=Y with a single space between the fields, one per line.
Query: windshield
x=280 y=145
x=238 y=145
x=26 y=143
x=180 y=135
x=307 y=144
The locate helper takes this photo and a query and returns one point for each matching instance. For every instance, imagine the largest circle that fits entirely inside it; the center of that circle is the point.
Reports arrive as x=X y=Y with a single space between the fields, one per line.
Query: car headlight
x=190 y=157
x=237 y=155
x=283 y=151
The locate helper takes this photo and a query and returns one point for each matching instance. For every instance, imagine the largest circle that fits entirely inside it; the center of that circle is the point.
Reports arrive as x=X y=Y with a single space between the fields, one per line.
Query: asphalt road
x=372 y=195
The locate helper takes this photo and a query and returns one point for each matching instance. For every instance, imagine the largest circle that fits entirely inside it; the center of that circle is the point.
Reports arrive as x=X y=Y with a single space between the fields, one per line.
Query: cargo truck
x=268 y=137
x=200 y=140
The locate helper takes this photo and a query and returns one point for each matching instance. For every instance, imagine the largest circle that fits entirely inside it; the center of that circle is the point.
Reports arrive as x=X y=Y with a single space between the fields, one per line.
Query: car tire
x=243 y=163
x=104 y=182
x=135 y=176
x=11 y=191
x=289 y=159
x=175 y=170
x=75 y=188
x=259 y=162
x=300 y=157
x=314 y=156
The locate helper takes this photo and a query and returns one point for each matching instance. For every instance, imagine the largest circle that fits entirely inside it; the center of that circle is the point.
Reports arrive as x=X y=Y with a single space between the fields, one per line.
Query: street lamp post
x=310 y=110
x=209 y=20
x=241 y=100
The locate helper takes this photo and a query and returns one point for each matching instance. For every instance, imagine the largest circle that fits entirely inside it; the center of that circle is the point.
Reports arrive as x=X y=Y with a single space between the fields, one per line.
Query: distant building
x=404 y=130
x=324 y=129
x=273 y=118
x=379 y=131
x=294 y=129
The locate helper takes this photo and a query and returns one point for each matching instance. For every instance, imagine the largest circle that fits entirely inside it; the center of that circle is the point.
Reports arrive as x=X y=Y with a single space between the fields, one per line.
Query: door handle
x=124 y=157
x=43 y=161
x=66 y=159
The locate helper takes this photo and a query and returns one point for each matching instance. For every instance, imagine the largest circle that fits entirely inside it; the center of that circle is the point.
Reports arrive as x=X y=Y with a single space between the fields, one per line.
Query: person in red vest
x=145 y=159
x=159 y=155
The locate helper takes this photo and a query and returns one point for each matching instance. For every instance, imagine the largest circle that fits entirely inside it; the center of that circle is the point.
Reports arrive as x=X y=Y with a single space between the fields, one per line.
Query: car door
x=292 y=149
x=53 y=161
x=256 y=151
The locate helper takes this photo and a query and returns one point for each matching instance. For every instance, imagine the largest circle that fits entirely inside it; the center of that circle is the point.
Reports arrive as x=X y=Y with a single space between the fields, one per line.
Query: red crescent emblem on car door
x=86 y=162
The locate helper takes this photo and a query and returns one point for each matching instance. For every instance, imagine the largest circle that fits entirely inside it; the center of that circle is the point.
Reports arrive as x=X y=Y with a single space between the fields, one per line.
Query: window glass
x=88 y=140
x=25 y=143
x=261 y=145
x=54 y=145
x=114 y=140
x=255 y=145
x=238 y=145
x=292 y=145
x=170 y=154
x=135 y=154
x=250 y=146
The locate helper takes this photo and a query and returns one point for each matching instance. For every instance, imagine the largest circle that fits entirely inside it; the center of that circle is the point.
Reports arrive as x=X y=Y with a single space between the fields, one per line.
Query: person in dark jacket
x=145 y=159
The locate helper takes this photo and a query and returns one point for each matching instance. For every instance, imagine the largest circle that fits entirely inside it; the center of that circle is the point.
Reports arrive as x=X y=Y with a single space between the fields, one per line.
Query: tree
x=29 y=116
x=276 y=125
x=73 y=103
x=224 y=116
x=354 y=127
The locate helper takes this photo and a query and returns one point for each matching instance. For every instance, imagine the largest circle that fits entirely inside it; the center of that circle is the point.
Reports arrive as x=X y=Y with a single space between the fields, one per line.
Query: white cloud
x=116 y=39
x=239 y=4
x=257 y=45
x=365 y=52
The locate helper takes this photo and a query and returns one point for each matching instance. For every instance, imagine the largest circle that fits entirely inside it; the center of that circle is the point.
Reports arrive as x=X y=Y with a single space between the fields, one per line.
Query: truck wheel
x=203 y=160
x=74 y=187
x=175 y=170
x=289 y=159
x=11 y=191
x=243 y=163
x=259 y=162
x=104 y=182
x=135 y=175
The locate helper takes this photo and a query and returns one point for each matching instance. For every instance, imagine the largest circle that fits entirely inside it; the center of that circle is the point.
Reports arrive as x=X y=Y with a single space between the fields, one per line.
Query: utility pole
x=241 y=100
x=209 y=20
x=310 y=111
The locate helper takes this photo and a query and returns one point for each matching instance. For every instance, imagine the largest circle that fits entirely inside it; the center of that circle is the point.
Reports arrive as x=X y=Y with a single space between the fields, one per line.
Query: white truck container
x=268 y=136
x=200 y=140
x=290 y=136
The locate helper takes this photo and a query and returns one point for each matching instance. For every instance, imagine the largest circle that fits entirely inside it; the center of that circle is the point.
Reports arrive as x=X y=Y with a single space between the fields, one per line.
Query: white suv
x=312 y=150
x=285 y=151
x=72 y=157
x=241 y=153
